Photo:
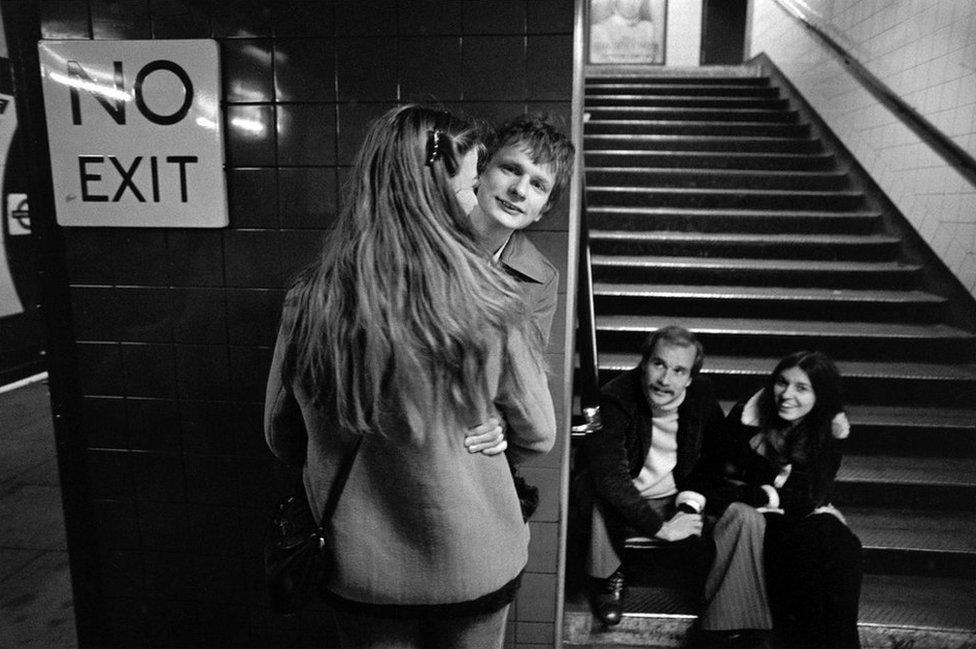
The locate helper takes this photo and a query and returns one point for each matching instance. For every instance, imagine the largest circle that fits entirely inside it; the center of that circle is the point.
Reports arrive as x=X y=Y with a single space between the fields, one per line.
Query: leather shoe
x=607 y=599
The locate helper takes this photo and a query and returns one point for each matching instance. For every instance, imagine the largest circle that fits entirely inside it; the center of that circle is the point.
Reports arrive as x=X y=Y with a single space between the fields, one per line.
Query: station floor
x=36 y=608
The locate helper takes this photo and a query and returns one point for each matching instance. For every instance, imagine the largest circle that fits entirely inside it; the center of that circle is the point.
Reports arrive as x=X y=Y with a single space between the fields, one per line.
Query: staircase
x=712 y=203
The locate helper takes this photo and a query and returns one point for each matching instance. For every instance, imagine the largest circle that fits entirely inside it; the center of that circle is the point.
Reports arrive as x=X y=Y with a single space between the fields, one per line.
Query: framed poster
x=627 y=31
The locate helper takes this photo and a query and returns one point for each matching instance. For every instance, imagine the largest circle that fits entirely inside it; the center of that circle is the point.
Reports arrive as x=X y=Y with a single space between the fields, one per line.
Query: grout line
x=21 y=383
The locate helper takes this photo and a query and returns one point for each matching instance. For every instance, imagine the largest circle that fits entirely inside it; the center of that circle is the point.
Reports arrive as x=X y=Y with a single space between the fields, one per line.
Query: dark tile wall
x=174 y=327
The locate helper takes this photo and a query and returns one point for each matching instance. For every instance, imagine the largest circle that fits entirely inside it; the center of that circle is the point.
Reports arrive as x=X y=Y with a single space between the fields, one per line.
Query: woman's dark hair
x=801 y=440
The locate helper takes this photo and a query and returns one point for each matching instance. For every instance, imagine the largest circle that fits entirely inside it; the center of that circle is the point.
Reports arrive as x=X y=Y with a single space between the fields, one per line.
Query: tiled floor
x=36 y=608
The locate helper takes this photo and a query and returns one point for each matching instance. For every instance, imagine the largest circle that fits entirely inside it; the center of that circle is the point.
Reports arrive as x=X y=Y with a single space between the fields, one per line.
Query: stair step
x=688 y=178
x=928 y=483
x=709 y=160
x=915 y=541
x=746 y=336
x=721 y=129
x=911 y=384
x=690 y=114
x=766 y=301
x=726 y=220
x=750 y=272
x=598 y=99
x=640 y=78
x=760 y=143
x=895 y=611
x=629 y=87
x=839 y=200
x=912 y=431
x=870 y=247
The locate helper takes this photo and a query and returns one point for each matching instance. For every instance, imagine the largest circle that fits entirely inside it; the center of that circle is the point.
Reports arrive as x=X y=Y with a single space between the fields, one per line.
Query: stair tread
x=911 y=602
x=628 y=153
x=768 y=264
x=787 y=173
x=588 y=120
x=764 y=293
x=767 y=326
x=920 y=602
x=912 y=529
x=663 y=86
x=908 y=470
x=709 y=98
x=657 y=137
x=723 y=190
x=725 y=212
x=892 y=416
x=681 y=235
x=685 y=109
x=736 y=365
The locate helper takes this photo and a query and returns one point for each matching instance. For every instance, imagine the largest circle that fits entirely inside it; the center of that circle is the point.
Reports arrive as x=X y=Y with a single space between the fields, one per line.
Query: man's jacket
x=616 y=454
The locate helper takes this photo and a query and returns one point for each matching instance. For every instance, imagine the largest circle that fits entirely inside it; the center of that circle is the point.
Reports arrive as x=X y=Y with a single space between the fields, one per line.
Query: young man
x=528 y=169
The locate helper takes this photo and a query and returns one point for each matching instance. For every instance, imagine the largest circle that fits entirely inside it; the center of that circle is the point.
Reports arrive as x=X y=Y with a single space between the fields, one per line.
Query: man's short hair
x=546 y=144
x=677 y=336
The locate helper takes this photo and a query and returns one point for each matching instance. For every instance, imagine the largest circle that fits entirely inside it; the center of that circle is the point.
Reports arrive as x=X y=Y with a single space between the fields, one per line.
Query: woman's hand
x=487 y=438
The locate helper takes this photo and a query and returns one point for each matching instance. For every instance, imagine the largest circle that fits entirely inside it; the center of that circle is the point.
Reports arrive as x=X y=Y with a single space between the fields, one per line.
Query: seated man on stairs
x=641 y=477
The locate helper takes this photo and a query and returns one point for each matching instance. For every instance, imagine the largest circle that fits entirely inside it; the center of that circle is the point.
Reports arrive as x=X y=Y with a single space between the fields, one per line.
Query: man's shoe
x=607 y=599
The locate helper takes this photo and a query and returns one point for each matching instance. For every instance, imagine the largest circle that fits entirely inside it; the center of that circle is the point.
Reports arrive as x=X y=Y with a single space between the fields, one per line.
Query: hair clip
x=434 y=150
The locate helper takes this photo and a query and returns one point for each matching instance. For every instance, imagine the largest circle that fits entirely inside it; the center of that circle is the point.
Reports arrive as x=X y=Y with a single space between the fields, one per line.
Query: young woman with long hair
x=403 y=335
x=780 y=453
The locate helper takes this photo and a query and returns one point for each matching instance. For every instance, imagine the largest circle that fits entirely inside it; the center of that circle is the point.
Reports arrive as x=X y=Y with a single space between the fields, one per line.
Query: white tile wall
x=925 y=51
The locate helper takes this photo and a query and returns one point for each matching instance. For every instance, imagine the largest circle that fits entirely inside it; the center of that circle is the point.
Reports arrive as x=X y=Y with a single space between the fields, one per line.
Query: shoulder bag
x=297 y=558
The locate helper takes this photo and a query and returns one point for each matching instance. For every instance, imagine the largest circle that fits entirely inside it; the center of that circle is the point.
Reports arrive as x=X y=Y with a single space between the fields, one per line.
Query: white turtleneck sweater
x=656 y=477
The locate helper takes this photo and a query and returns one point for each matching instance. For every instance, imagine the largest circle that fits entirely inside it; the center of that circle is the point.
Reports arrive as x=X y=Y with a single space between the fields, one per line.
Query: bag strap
x=339 y=483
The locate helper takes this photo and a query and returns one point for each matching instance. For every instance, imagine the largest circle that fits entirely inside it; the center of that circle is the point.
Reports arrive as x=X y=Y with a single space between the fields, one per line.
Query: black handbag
x=528 y=495
x=297 y=555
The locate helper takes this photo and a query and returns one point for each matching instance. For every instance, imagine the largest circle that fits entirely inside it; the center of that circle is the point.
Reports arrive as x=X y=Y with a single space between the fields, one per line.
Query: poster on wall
x=135 y=132
x=627 y=31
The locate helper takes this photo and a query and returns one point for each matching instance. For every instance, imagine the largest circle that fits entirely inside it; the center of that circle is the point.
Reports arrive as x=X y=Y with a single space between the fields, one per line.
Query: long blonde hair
x=403 y=306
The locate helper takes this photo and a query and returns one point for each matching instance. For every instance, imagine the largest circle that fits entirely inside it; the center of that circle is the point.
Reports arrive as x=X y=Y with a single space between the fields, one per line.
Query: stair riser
x=745 y=223
x=826 y=201
x=756 y=307
x=872 y=390
x=903 y=496
x=645 y=125
x=922 y=564
x=691 y=114
x=596 y=159
x=757 y=277
x=751 y=250
x=778 y=345
x=651 y=90
x=912 y=441
x=652 y=140
x=632 y=101
x=637 y=177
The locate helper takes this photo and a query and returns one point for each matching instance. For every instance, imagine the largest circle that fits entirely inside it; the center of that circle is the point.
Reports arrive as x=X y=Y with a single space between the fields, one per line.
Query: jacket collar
x=517 y=256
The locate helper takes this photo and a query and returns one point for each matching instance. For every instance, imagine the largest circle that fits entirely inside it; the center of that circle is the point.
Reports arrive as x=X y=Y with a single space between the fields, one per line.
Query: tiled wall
x=174 y=327
x=925 y=52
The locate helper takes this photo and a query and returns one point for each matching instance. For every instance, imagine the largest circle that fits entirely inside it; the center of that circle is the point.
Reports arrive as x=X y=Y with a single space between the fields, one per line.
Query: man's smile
x=509 y=207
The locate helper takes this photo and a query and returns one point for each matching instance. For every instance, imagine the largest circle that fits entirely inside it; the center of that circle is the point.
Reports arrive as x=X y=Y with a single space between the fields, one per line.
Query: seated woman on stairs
x=779 y=453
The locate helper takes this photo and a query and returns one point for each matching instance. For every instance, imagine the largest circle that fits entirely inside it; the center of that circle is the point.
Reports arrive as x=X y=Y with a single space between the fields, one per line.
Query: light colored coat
x=421 y=521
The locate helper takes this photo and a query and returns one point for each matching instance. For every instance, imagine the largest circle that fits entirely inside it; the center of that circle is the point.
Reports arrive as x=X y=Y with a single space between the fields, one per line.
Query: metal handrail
x=588 y=378
x=952 y=153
